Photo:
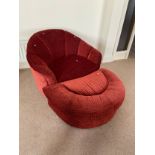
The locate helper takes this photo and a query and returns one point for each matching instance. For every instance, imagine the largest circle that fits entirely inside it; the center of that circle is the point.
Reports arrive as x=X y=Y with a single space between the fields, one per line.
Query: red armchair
x=66 y=70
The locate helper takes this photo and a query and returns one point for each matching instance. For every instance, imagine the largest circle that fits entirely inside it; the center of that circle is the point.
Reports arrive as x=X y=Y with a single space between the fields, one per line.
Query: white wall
x=82 y=17
x=104 y=31
x=113 y=15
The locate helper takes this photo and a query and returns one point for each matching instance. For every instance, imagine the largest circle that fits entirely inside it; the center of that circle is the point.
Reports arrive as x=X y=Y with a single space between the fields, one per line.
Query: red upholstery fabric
x=66 y=72
x=71 y=67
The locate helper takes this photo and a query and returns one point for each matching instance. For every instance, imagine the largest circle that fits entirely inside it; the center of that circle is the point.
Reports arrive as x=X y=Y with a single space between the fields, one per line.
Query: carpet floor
x=42 y=132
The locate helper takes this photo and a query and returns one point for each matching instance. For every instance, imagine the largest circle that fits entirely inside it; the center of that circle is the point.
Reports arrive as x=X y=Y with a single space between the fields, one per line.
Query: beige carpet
x=42 y=132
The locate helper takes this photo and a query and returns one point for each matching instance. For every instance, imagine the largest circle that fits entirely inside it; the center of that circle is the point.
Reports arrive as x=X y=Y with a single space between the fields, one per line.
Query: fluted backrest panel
x=35 y=49
x=50 y=45
x=71 y=44
x=54 y=40
x=53 y=44
x=90 y=53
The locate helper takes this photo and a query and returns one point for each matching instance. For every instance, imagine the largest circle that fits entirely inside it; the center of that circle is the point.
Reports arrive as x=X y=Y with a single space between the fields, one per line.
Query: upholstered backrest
x=52 y=44
x=46 y=47
x=49 y=45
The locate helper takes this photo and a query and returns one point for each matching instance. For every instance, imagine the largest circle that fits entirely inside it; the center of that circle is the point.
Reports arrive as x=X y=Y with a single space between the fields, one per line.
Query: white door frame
x=117 y=17
x=124 y=54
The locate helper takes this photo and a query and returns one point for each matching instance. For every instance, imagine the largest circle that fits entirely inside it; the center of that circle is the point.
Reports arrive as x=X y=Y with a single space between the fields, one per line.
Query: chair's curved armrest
x=41 y=72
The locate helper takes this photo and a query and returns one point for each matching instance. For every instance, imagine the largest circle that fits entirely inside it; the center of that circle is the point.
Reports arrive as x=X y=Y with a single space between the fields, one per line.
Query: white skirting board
x=22 y=55
x=23 y=64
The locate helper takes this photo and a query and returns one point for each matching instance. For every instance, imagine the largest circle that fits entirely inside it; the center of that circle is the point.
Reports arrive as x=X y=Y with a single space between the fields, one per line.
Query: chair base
x=85 y=122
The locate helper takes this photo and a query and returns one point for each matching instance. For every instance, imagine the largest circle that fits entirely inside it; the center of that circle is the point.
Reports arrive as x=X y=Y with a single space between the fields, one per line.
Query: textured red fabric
x=88 y=85
x=71 y=67
x=65 y=69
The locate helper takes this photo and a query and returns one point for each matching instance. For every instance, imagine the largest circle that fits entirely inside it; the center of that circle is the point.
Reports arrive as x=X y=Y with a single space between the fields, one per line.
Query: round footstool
x=88 y=101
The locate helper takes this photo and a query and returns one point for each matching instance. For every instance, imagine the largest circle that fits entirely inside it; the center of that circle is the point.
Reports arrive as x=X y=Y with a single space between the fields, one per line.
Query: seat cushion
x=71 y=67
x=92 y=84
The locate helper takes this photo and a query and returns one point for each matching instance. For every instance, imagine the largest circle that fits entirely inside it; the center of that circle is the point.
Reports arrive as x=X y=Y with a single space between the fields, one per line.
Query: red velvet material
x=71 y=67
x=87 y=103
x=65 y=69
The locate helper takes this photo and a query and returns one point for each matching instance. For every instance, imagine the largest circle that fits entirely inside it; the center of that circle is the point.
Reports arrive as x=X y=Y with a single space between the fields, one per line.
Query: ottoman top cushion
x=92 y=84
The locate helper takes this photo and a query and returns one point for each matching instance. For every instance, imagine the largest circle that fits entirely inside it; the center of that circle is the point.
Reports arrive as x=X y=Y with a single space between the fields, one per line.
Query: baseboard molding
x=117 y=56
x=23 y=65
x=120 y=55
x=22 y=55
x=107 y=59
